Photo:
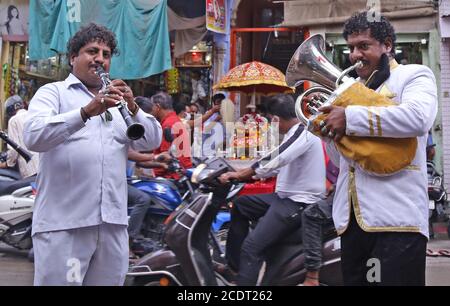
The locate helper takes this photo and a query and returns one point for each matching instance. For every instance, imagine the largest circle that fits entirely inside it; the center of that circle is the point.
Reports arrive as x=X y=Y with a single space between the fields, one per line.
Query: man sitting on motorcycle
x=161 y=106
x=300 y=166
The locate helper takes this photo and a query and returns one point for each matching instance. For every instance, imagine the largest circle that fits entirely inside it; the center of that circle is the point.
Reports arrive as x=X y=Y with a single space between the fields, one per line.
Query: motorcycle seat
x=7 y=187
x=10 y=174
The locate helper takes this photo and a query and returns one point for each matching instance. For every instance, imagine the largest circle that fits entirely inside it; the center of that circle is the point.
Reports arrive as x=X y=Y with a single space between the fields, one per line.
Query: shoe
x=140 y=247
x=225 y=270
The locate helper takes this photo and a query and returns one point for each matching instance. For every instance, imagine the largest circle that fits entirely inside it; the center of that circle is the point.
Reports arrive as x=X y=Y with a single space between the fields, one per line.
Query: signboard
x=216 y=16
x=14 y=20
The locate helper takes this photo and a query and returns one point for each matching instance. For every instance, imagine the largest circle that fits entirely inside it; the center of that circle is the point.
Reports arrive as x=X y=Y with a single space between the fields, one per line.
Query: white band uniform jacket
x=82 y=175
x=398 y=202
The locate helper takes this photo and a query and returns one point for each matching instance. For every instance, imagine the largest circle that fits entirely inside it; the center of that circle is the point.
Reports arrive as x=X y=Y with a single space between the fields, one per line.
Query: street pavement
x=16 y=270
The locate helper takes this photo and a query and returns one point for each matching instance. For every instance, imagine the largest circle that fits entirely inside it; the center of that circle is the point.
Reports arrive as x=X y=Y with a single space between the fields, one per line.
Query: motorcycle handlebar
x=26 y=155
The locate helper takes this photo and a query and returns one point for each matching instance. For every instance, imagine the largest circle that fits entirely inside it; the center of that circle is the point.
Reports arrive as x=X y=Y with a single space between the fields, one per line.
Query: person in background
x=199 y=92
x=213 y=128
x=300 y=169
x=171 y=125
x=15 y=110
x=140 y=202
x=431 y=151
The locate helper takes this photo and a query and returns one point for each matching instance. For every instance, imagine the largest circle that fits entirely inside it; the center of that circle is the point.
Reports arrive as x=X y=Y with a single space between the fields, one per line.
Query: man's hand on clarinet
x=127 y=93
x=109 y=97
x=334 y=126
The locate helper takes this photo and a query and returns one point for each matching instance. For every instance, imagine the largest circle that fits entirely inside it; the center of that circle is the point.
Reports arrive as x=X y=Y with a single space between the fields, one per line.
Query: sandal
x=445 y=253
x=432 y=253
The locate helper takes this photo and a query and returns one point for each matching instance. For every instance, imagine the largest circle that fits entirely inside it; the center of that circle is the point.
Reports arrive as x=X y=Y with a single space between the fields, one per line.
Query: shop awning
x=299 y=13
x=140 y=27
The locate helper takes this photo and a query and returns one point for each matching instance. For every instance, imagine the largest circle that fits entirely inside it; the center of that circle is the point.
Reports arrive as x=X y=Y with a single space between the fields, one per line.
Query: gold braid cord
x=378 y=155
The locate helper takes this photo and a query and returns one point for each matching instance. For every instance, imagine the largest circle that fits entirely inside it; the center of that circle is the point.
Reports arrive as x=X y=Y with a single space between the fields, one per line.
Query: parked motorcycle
x=437 y=195
x=8 y=174
x=16 y=203
x=16 y=210
x=186 y=259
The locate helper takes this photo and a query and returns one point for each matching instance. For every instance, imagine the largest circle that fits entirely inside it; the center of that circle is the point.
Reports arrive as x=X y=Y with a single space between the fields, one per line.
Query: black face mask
x=379 y=76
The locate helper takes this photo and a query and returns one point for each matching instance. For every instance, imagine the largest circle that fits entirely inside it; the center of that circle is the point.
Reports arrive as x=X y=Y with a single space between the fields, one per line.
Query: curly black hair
x=380 y=30
x=87 y=34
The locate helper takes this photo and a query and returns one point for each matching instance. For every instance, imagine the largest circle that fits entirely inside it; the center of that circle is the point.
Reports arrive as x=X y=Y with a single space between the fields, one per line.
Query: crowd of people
x=80 y=210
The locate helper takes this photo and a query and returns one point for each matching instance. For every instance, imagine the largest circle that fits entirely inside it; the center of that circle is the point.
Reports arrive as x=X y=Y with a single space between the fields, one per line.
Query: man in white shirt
x=199 y=94
x=80 y=215
x=300 y=165
x=15 y=109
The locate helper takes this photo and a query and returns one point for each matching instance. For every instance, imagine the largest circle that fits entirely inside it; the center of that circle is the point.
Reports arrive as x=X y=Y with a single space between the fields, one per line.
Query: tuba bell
x=376 y=155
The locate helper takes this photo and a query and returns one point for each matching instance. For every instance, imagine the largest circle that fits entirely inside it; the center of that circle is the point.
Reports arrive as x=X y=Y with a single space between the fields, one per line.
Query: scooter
x=437 y=195
x=16 y=210
x=16 y=203
x=186 y=259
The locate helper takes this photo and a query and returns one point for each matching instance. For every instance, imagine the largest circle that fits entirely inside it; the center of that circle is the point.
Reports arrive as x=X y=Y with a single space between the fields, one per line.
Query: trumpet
x=135 y=130
x=376 y=155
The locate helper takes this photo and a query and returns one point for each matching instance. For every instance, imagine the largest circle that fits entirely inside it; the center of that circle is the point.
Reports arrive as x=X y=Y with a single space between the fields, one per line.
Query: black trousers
x=401 y=257
x=315 y=217
x=246 y=251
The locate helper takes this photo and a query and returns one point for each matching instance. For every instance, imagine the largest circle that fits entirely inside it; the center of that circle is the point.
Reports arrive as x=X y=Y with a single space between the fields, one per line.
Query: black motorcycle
x=186 y=257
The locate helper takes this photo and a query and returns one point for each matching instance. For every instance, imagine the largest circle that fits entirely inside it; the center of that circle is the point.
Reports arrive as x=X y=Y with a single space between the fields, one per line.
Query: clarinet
x=134 y=130
x=15 y=146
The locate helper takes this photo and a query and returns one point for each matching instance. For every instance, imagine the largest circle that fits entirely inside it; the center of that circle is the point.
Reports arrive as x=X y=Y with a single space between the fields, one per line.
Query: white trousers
x=88 y=256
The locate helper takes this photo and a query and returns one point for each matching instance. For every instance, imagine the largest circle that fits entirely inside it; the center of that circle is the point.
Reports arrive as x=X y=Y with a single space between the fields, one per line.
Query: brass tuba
x=376 y=155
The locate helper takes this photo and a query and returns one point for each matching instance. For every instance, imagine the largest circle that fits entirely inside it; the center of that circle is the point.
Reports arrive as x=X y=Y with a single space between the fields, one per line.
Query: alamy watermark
x=373 y=10
x=73 y=11
x=73 y=274
x=234 y=140
x=374 y=273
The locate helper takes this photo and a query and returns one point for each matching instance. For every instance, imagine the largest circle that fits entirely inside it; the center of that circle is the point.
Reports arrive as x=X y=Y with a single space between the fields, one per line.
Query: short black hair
x=179 y=106
x=87 y=34
x=282 y=105
x=218 y=96
x=380 y=29
x=144 y=103
x=163 y=99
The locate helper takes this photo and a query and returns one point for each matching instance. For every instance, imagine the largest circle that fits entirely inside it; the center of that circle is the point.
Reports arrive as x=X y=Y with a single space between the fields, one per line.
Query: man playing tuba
x=382 y=217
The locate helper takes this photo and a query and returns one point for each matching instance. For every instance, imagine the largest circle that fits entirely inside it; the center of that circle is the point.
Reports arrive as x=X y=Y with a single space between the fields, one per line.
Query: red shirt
x=182 y=143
